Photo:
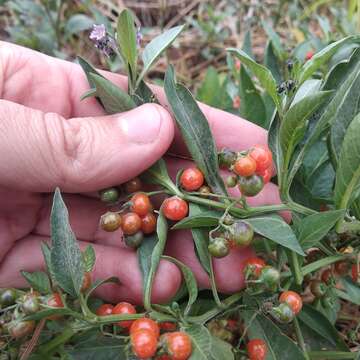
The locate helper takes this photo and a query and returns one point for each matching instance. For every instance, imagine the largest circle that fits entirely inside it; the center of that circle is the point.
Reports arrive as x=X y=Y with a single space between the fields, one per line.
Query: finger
x=80 y=154
x=122 y=263
x=228 y=271
x=26 y=68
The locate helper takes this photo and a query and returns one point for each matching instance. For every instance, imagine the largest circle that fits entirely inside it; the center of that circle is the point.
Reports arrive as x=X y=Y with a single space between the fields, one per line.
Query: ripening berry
x=256 y=349
x=145 y=323
x=178 y=345
x=131 y=223
x=244 y=166
x=255 y=265
x=140 y=204
x=175 y=208
x=143 y=343
x=191 y=179
x=133 y=186
x=293 y=299
x=262 y=156
x=104 y=310
x=123 y=308
x=309 y=55
x=110 y=221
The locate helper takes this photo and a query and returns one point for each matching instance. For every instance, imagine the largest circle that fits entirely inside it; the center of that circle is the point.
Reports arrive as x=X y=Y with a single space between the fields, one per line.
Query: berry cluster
x=136 y=217
x=145 y=338
x=251 y=169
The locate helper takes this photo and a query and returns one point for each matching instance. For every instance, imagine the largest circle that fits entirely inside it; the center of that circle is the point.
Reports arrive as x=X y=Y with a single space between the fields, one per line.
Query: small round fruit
x=110 y=221
x=218 y=247
x=175 y=208
x=30 y=303
x=143 y=343
x=251 y=185
x=228 y=220
x=19 y=329
x=168 y=326
x=342 y=267
x=245 y=166
x=110 y=195
x=355 y=270
x=204 y=191
x=131 y=223
x=7 y=297
x=133 y=186
x=104 y=310
x=318 y=288
x=231 y=181
x=148 y=223
x=86 y=281
x=134 y=241
x=265 y=174
x=123 y=308
x=309 y=55
x=283 y=313
x=140 y=204
x=178 y=345
x=227 y=158
x=270 y=277
x=241 y=233
x=191 y=179
x=293 y=299
x=256 y=349
x=145 y=323
x=255 y=265
x=262 y=156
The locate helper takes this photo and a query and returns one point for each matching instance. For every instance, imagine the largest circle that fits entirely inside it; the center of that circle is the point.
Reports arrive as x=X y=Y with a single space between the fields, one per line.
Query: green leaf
x=275 y=229
x=221 y=349
x=275 y=39
x=280 y=347
x=47 y=258
x=252 y=106
x=189 y=279
x=275 y=147
x=321 y=325
x=78 y=23
x=271 y=62
x=206 y=218
x=325 y=119
x=322 y=57
x=347 y=183
x=208 y=92
x=195 y=131
x=66 y=257
x=143 y=94
x=263 y=74
x=88 y=69
x=293 y=126
x=247 y=46
x=126 y=37
x=201 y=342
x=149 y=254
x=114 y=99
x=89 y=258
x=308 y=88
x=314 y=227
x=352 y=289
x=38 y=280
x=157 y=46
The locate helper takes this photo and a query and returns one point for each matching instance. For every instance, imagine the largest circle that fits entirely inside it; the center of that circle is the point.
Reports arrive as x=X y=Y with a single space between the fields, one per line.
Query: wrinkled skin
x=49 y=138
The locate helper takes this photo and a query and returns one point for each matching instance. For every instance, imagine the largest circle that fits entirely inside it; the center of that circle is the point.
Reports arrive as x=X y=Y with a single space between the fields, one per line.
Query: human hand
x=48 y=138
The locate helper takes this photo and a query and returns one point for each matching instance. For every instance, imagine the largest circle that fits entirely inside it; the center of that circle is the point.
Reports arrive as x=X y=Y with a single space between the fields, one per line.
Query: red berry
x=263 y=157
x=178 y=345
x=342 y=267
x=293 y=299
x=131 y=223
x=265 y=174
x=104 y=310
x=309 y=55
x=326 y=276
x=141 y=204
x=121 y=309
x=245 y=166
x=144 y=343
x=55 y=301
x=355 y=270
x=19 y=329
x=175 y=208
x=256 y=349
x=255 y=264
x=86 y=282
x=168 y=326
x=164 y=357
x=148 y=223
x=145 y=323
x=191 y=179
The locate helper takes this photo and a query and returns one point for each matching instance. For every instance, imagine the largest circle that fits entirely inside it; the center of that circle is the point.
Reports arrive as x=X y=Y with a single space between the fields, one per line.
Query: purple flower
x=138 y=36
x=102 y=40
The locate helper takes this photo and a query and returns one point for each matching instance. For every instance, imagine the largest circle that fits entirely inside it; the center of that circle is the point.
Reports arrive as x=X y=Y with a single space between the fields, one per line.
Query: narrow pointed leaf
x=38 y=280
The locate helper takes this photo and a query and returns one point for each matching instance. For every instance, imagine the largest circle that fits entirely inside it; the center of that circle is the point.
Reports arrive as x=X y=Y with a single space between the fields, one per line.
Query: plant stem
x=67 y=334
x=213 y=287
x=300 y=338
x=297 y=269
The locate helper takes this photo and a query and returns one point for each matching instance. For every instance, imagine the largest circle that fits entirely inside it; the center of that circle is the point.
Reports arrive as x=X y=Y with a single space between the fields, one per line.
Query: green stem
x=297 y=269
x=213 y=287
x=67 y=334
x=330 y=355
x=300 y=338
x=300 y=208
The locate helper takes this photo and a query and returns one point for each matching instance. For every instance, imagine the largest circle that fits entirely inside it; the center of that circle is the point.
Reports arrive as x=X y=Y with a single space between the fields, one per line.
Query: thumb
x=43 y=150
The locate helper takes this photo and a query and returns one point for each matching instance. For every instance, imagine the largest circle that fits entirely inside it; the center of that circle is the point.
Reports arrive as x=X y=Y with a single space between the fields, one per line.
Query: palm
x=53 y=86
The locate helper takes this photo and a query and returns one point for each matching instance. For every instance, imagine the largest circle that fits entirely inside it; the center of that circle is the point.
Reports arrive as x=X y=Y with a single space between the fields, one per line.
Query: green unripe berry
x=250 y=185
x=7 y=297
x=218 y=247
x=227 y=158
x=110 y=195
x=241 y=233
x=134 y=241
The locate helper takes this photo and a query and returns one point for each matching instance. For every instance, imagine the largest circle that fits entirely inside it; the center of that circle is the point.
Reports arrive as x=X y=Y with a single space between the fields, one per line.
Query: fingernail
x=142 y=125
